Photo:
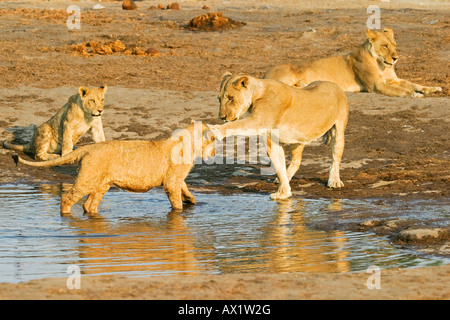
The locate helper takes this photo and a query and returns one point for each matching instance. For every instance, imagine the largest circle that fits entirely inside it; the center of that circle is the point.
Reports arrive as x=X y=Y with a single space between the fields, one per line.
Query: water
x=138 y=235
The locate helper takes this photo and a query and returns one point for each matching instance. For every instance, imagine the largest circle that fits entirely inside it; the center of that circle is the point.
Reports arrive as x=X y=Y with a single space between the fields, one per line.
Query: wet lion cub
x=136 y=166
x=61 y=132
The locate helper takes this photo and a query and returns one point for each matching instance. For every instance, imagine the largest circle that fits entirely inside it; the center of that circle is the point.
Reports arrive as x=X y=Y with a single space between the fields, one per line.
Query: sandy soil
x=423 y=283
x=395 y=147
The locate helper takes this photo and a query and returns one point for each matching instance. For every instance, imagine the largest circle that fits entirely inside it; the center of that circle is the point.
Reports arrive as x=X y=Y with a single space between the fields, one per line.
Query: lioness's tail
x=74 y=156
x=329 y=135
x=16 y=147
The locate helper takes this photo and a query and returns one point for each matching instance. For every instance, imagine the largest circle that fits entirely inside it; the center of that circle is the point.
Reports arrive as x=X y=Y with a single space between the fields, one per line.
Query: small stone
x=117 y=46
x=421 y=235
x=139 y=51
x=81 y=48
x=174 y=6
x=103 y=49
x=152 y=52
x=370 y=223
x=92 y=44
x=128 y=5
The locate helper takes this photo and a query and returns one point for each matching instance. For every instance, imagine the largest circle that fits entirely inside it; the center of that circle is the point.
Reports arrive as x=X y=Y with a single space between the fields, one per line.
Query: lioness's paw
x=427 y=90
x=281 y=194
x=417 y=95
x=335 y=184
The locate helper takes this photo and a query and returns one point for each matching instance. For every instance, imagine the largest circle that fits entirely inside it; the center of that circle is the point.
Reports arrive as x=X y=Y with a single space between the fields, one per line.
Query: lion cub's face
x=384 y=46
x=235 y=97
x=93 y=100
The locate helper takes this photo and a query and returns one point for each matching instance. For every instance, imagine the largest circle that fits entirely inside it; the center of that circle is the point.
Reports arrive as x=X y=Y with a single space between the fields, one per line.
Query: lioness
x=61 y=132
x=299 y=115
x=136 y=166
x=369 y=68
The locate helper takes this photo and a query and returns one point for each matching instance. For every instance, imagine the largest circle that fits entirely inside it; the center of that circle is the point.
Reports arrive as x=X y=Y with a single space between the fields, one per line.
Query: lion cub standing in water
x=61 y=132
x=136 y=166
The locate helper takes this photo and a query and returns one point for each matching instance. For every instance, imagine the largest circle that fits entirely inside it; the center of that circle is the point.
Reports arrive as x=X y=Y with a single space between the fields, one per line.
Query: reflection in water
x=137 y=245
x=137 y=234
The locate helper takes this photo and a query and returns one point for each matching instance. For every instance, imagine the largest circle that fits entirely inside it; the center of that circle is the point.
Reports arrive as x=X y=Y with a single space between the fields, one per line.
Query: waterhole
x=138 y=235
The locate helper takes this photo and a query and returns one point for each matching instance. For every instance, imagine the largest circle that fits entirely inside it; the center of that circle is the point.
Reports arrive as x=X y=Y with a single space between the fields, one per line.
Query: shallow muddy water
x=138 y=235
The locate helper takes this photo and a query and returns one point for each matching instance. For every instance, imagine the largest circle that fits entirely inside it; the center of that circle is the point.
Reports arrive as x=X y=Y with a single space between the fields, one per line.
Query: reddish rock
x=152 y=52
x=174 y=6
x=214 y=21
x=128 y=5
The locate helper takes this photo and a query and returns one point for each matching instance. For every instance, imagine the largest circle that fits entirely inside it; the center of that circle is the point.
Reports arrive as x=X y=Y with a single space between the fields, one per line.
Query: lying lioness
x=298 y=115
x=136 y=166
x=60 y=133
x=368 y=68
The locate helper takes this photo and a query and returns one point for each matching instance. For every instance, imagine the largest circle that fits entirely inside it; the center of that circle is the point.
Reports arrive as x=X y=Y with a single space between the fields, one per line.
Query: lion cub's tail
x=329 y=135
x=74 y=156
x=16 y=147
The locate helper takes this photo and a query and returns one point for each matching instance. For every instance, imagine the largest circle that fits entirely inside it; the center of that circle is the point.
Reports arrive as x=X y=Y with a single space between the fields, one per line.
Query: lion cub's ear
x=389 y=31
x=225 y=75
x=104 y=87
x=83 y=91
x=242 y=82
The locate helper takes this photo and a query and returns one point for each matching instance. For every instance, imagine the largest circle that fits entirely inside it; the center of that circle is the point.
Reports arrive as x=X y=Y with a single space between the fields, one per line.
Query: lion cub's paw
x=189 y=199
x=335 y=184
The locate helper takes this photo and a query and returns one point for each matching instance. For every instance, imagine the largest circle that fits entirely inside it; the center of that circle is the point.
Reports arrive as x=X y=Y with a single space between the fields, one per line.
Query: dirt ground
x=396 y=148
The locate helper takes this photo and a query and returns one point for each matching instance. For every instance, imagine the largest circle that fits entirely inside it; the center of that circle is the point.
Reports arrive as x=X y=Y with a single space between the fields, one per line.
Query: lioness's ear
x=83 y=91
x=225 y=75
x=242 y=82
x=104 y=87
x=192 y=121
x=389 y=31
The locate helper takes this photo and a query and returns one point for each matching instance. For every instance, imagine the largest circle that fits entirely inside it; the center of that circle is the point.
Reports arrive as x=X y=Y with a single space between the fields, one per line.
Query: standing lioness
x=61 y=132
x=136 y=166
x=297 y=115
x=368 y=68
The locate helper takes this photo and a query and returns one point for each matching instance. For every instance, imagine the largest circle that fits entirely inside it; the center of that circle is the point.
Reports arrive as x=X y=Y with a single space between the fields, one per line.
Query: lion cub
x=61 y=132
x=136 y=166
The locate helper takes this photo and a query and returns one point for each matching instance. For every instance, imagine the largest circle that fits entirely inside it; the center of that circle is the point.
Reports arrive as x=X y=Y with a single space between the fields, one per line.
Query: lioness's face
x=235 y=97
x=93 y=100
x=384 y=46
